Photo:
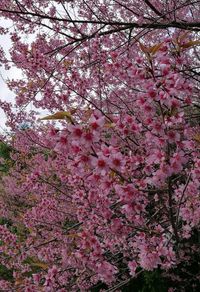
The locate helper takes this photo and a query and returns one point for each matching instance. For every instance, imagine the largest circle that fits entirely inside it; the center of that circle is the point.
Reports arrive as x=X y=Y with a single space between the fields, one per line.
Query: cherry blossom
x=111 y=188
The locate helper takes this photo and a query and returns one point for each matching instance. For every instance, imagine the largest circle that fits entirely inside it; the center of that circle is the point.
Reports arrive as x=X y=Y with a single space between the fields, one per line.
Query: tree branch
x=154 y=9
x=126 y=25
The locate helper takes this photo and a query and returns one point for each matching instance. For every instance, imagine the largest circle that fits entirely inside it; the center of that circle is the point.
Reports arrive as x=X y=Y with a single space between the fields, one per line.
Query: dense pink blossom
x=111 y=188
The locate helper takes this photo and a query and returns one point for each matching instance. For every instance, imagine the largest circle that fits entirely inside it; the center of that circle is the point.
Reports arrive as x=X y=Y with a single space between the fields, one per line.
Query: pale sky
x=15 y=73
x=5 y=93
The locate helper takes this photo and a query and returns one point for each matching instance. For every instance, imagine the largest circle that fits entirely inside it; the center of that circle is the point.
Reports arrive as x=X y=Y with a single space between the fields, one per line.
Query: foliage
x=5 y=150
x=5 y=273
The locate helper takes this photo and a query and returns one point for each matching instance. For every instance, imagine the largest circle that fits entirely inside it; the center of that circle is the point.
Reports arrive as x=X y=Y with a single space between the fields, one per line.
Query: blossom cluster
x=109 y=185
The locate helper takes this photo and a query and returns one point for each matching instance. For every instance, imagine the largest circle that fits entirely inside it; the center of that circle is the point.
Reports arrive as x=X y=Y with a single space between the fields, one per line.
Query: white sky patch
x=13 y=73
x=5 y=93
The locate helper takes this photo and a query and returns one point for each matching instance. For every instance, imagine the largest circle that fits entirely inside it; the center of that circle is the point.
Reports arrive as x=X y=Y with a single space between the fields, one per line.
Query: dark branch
x=126 y=25
x=154 y=9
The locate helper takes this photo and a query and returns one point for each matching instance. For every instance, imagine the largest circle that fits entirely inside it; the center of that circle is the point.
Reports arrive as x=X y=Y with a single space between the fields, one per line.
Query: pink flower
x=152 y=93
x=132 y=267
x=89 y=137
x=100 y=164
x=106 y=272
x=116 y=161
x=97 y=123
x=76 y=131
x=173 y=136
